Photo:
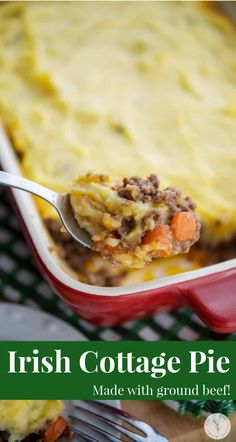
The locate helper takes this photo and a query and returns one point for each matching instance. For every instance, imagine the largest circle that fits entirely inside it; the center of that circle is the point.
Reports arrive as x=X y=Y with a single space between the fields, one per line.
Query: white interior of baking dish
x=40 y=238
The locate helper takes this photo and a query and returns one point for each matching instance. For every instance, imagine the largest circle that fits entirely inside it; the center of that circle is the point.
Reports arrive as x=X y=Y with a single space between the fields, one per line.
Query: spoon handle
x=10 y=180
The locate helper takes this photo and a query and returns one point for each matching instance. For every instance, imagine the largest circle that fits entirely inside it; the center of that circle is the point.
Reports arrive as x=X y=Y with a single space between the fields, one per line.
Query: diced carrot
x=183 y=226
x=160 y=234
x=55 y=430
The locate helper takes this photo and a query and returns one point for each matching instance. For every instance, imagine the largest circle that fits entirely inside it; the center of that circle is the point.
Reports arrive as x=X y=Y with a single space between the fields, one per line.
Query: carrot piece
x=183 y=226
x=160 y=234
x=55 y=430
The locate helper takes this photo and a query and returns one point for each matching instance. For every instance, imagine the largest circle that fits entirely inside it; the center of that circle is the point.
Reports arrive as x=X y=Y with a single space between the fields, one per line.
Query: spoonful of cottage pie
x=129 y=222
x=133 y=221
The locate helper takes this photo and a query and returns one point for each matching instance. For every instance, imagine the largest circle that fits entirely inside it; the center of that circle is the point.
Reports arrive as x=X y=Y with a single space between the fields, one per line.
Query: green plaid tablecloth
x=20 y=281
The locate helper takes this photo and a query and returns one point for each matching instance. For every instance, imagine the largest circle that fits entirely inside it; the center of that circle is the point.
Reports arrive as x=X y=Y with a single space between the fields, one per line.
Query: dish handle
x=213 y=298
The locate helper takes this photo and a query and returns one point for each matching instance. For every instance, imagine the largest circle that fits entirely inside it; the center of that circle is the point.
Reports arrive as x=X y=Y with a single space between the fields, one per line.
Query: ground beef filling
x=147 y=190
x=168 y=213
x=139 y=189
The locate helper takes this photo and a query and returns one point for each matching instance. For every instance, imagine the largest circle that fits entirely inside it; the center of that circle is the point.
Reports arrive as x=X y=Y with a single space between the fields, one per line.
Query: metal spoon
x=60 y=201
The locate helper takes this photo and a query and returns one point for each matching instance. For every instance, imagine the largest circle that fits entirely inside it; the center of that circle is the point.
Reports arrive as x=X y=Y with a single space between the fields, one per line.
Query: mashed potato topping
x=23 y=417
x=125 y=88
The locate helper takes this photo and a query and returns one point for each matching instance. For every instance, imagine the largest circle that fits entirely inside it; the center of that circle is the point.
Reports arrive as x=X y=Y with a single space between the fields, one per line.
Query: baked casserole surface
x=124 y=88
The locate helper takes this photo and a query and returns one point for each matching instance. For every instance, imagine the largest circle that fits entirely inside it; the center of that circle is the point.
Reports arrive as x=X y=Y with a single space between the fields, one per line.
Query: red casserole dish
x=210 y=291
